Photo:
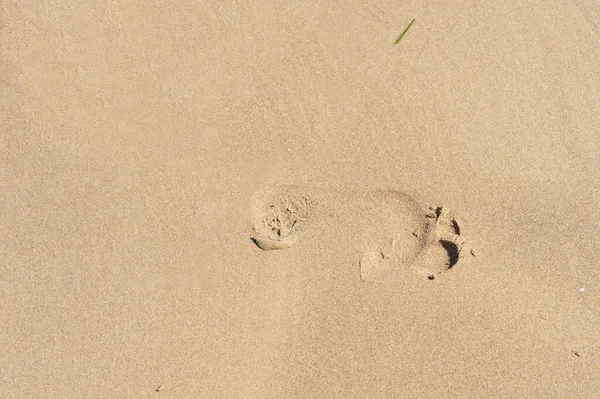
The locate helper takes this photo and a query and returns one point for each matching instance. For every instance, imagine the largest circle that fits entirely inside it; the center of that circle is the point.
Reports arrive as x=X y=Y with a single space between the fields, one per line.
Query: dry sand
x=147 y=147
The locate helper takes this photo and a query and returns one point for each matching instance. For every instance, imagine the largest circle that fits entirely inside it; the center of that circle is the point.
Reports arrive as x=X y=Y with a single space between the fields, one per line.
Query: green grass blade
x=404 y=33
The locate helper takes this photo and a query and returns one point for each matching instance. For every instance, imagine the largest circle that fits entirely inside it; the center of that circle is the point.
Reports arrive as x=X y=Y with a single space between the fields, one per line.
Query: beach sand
x=272 y=200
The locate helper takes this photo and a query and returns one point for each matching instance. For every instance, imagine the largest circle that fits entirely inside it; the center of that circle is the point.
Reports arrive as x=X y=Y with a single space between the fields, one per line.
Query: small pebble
x=581 y=289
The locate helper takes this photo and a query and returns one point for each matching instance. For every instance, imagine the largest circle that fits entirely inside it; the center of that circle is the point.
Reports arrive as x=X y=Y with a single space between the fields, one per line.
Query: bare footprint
x=389 y=228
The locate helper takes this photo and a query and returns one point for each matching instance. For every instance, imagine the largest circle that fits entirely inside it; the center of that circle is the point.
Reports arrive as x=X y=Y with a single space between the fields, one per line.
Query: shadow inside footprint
x=453 y=252
x=445 y=249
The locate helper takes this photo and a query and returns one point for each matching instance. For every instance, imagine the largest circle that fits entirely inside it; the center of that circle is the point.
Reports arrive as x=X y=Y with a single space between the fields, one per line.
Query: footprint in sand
x=388 y=227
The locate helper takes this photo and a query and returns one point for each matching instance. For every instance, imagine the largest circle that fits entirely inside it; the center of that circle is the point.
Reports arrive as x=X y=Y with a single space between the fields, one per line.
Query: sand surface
x=428 y=212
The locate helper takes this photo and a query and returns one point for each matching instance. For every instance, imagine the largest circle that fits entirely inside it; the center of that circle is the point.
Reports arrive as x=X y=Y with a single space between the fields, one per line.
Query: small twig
x=404 y=33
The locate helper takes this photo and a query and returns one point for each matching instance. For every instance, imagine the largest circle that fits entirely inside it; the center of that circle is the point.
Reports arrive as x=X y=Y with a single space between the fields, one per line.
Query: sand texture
x=271 y=199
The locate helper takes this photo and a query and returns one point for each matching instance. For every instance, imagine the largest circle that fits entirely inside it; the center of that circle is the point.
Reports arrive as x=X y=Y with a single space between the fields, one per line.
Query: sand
x=272 y=200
